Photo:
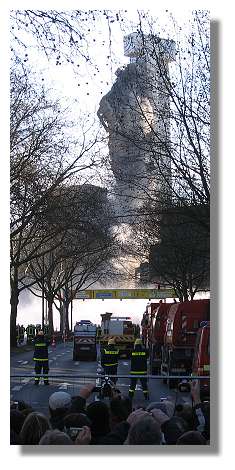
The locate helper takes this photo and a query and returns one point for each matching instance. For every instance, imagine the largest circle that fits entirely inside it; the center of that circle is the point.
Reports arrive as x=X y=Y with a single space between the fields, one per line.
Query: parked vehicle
x=156 y=331
x=121 y=329
x=84 y=341
x=201 y=359
x=182 y=324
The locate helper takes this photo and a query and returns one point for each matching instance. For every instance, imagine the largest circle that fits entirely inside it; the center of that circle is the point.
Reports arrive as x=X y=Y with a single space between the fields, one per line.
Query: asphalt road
x=61 y=363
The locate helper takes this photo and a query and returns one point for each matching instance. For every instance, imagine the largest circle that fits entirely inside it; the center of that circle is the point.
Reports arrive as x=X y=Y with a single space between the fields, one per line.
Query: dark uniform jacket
x=139 y=358
x=110 y=356
x=40 y=348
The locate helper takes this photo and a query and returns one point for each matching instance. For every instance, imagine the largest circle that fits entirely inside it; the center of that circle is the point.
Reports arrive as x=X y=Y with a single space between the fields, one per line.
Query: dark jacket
x=40 y=348
x=139 y=358
x=110 y=356
x=116 y=437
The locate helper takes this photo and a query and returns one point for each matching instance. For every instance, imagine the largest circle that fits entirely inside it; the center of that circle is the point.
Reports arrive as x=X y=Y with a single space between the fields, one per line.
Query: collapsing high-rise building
x=136 y=115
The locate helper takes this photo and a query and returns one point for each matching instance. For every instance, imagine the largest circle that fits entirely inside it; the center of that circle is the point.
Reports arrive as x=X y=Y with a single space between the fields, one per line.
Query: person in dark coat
x=109 y=360
x=139 y=358
x=41 y=357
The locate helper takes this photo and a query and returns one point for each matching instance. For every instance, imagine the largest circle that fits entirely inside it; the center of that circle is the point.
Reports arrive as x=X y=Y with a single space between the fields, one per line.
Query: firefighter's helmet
x=138 y=341
x=111 y=341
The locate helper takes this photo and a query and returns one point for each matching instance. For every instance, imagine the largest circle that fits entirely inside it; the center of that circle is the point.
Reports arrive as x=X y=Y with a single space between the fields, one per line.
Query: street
x=61 y=363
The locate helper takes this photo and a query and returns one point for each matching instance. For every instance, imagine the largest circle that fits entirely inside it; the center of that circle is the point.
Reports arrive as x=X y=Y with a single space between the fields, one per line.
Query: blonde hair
x=34 y=427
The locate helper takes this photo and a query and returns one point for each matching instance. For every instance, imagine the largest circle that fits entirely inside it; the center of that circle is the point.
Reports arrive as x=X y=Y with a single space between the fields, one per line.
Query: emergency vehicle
x=201 y=359
x=182 y=324
x=156 y=330
x=121 y=329
x=84 y=341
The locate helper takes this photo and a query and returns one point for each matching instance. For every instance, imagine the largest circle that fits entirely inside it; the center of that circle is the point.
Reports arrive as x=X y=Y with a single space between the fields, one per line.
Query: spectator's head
x=41 y=333
x=59 y=404
x=118 y=410
x=55 y=437
x=27 y=411
x=35 y=425
x=165 y=406
x=78 y=405
x=185 y=411
x=98 y=412
x=16 y=421
x=191 y=438
x=173 y=429
x=144 y=431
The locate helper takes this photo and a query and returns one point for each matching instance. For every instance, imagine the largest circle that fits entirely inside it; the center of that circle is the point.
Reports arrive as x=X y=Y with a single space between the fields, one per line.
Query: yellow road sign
x=126 y=294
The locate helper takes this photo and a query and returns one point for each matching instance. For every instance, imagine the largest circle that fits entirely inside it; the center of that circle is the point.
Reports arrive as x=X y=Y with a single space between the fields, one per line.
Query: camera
x=106 y=388
x=184 y=386
x=72 y=432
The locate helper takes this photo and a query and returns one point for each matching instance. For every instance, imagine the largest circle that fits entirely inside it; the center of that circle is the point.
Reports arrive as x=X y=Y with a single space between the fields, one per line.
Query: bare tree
x=84 y=255
x=43 y=156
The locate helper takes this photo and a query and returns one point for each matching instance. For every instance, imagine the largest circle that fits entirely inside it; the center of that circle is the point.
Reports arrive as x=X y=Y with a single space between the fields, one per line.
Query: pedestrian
x=139 y=367
x=109 y=360
x=41 y=357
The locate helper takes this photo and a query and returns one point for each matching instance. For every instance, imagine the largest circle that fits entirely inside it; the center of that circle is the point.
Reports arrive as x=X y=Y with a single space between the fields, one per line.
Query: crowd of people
x=74 y=421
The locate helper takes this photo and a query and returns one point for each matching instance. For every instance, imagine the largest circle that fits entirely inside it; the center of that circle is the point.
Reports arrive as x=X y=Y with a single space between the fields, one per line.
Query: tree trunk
x=61 y=316
x=14 y=305
x=66 y=312
x=50 y=315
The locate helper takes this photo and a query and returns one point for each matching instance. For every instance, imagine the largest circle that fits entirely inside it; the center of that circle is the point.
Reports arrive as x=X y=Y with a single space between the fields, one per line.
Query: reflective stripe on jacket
x=40 y=349
x=110 y=356
x=139 y=360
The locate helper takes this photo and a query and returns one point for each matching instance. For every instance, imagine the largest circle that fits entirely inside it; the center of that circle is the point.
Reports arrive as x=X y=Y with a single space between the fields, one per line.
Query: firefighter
x=41 y=357
x=139 y=367
x=109 y=360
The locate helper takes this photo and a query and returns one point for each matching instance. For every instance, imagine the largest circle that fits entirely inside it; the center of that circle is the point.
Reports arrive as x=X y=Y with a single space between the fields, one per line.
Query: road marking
x=20 y=361
x=24 y=362
x=54 y=358
x=76 y=363
x=125 y=364
x=17 y=388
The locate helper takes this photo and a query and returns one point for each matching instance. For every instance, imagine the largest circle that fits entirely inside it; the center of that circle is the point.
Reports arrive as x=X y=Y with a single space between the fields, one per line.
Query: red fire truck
x=156 y=335
x=201 y=359
x=182 y=324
